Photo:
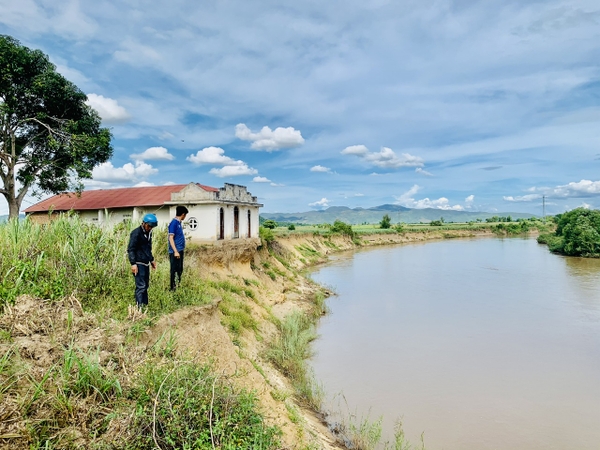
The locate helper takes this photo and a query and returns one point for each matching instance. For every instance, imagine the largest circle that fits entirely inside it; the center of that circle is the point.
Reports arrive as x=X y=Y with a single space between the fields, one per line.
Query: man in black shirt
x=141 y=259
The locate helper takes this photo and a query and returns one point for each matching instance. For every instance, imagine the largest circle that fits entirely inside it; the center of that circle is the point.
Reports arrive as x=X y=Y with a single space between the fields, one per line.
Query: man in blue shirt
x=177 y=244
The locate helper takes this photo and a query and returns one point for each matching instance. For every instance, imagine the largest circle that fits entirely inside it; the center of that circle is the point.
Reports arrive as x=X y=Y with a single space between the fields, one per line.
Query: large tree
x=50 y=140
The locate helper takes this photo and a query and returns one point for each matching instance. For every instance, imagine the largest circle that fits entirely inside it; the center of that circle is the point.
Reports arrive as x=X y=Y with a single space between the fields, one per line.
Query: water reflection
x=481 y=344
x=584 y=274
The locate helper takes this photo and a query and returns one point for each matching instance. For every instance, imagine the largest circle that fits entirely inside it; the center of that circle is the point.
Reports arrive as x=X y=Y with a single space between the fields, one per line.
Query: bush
x=291 y=227
x=266 y=234
x=342 y=228
x=386 y=222
x=271 y=224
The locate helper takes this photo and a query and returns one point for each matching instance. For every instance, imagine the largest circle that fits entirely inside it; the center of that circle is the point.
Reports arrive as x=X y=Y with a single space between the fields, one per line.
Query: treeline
x=577 y=233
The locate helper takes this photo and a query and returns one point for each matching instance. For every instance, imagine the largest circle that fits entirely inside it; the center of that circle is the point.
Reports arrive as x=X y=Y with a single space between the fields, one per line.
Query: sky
x=468 y=105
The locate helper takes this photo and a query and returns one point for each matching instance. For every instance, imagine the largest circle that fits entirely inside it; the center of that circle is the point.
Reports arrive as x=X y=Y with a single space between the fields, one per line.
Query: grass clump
x=289 y=353
x=182 y=405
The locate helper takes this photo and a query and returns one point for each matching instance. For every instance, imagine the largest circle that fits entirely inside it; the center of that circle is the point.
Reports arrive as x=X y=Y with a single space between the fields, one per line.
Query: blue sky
x=468 y=105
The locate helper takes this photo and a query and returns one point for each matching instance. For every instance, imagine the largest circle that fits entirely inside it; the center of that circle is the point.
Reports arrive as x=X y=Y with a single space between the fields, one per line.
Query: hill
x=397 y=213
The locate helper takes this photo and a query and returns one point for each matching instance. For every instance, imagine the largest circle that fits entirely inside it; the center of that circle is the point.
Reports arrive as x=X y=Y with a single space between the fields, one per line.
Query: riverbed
x=476 y=344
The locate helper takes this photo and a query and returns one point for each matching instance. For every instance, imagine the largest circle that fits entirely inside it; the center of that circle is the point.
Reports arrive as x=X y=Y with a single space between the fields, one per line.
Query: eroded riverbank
x=248 y=291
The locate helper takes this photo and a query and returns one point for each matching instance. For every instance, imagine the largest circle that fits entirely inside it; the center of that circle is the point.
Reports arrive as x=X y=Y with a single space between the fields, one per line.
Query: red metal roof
x=111 y=198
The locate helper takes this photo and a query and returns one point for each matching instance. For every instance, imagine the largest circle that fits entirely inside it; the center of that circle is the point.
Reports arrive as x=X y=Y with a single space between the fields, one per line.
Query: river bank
x=248 y=290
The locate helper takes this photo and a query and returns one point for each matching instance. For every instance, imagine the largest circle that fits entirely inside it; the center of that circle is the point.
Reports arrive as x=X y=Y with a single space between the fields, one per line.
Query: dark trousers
x=142 y=281
x=176 y=268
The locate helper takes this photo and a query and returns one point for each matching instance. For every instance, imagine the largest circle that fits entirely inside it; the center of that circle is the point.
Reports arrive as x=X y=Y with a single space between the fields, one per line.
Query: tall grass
x=291 y=349
x=70 y=256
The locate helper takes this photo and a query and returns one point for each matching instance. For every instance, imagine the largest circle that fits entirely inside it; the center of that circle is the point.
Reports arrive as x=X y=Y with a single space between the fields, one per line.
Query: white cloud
x=213 y=155
x=233 y=171
x=407 y=199
x=323 y=203
x=129 y=172
x=277 y=184
x=423 y=172
x=110 y=111
x=583 y=188
x=143 y=184
x=469 y=201
x=269 y=140
x=320 y=169
x=153 y=153
x=355 y=150
x=579 y=189
x=523 y=198
x=261 y=180
x=386 y=158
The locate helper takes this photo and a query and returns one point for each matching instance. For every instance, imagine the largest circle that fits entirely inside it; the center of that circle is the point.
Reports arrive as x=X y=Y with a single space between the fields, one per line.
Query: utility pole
x=544 y=207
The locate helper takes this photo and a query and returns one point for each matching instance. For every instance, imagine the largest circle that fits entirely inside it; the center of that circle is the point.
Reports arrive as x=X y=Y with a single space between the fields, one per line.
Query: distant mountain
x=355 y=216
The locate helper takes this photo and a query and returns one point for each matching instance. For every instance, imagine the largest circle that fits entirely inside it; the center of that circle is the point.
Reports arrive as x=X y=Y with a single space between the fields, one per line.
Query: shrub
x=342 y=228
x=271 y=224
x=266 y=234
x=386 y=222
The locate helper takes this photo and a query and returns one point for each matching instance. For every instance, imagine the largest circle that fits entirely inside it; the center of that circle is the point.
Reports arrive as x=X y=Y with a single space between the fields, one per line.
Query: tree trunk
x=13 y=208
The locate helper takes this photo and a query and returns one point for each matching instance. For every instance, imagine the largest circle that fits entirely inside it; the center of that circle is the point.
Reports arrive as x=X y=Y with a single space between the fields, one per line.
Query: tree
x=50 y=140
x=386 y=222
x=269 y=223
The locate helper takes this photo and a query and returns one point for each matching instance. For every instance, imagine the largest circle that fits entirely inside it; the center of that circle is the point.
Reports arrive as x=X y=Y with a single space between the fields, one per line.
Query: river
x=478 y=344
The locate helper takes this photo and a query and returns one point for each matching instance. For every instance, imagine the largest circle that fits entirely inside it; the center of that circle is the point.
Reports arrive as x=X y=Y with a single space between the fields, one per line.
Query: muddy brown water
x=479 y=344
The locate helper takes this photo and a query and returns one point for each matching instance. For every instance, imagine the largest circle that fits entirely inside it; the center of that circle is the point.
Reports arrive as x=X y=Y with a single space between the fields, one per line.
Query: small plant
x=291 y=227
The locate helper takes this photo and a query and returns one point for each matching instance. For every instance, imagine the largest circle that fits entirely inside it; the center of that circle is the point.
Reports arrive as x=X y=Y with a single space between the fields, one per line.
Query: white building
x=230 y=212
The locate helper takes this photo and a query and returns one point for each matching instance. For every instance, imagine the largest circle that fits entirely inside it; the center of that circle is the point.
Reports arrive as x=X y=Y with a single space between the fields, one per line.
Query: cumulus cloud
x=270 y=140
x=213 y=155
x=386 y=158
x=143 y=184
x=407 y=199
x=110 y=111
x=129 y=172
x=320 y=169
x=579 y=189
x=233 y=171
x=153 y=153
x=355 y=150
x=261 y=180
x=423 y=172
x=583 y=188
x=469 y=201
x=323 y=203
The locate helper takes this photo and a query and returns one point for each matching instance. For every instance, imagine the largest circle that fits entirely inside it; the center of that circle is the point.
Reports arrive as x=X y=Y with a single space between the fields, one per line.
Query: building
x=230 y=212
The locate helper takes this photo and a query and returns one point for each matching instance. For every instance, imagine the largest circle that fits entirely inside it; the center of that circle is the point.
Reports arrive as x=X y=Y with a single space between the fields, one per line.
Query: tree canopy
x=577 y=233
x=50 y=139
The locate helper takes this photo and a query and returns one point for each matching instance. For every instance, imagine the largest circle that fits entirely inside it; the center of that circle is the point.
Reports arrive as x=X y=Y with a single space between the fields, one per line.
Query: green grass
x=185 y=405
x=78 y=396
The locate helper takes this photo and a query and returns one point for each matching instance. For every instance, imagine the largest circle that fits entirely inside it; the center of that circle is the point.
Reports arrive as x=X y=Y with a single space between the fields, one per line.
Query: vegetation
x=386 y=222
x=162 y=400
x=48 y=134
x=577 y=233
x=271 y=224
x=342 y=228
x=183 y=405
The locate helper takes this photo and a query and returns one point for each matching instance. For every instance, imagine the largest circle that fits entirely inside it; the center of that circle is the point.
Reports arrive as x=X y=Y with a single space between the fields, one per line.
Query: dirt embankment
x=40 y=331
